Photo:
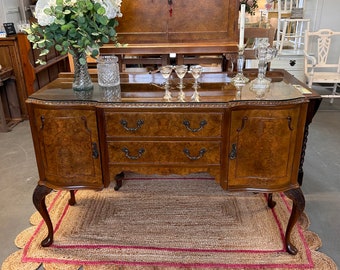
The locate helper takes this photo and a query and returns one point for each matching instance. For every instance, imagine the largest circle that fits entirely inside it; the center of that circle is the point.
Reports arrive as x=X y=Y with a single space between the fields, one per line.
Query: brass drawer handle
x=127 y=153
x=200 y=154
x=124 y=123
x=186 y=123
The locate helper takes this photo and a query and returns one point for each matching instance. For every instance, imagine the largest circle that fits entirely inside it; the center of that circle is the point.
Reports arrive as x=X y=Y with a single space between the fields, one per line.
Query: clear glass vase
x=82 y=83
x=108 y=70
x=108 y=77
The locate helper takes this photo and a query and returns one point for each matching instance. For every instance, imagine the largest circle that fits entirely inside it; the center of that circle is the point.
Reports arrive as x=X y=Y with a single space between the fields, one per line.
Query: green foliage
x=78 y=26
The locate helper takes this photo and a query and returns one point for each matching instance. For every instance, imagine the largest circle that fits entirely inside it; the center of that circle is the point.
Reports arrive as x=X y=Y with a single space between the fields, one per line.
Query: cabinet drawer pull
x=95 y=153
x=186 y=123
x=42 y=120
x=233 y=152
x=200 y=154
x=289 y=119
x=139 y=123
x=292 y=63
x=127 y=153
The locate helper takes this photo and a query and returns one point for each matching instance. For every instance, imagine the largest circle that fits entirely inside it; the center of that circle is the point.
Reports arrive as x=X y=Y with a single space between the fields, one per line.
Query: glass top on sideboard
x=213 y=88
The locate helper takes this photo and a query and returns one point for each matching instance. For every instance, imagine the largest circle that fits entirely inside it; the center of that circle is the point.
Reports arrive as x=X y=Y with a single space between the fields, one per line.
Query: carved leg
x=72 y=200
x=303 y=152
x=119 y=180
x=298 y=199
x=271 y=203
x=39 y=195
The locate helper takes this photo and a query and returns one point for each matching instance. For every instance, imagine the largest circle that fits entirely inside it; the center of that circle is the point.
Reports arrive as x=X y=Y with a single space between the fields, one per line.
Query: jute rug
x=167 y=223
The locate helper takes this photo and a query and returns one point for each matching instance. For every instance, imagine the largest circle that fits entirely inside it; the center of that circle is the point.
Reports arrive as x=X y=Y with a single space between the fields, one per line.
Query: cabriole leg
x=298 y=199
x=39 y=196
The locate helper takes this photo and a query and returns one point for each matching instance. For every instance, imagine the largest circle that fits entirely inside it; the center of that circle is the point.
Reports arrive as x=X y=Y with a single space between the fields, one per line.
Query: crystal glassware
x=166 y=72
x=196 y=71
x=239 y=80
x=181 y=70
x=264 y=54
x=108 y=70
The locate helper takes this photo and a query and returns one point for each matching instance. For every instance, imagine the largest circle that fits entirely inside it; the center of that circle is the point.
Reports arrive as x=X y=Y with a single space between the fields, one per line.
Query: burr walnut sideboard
x=246 y=144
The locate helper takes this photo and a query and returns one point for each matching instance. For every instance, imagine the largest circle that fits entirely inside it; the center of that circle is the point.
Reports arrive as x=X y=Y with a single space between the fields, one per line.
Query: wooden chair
x=319 y=67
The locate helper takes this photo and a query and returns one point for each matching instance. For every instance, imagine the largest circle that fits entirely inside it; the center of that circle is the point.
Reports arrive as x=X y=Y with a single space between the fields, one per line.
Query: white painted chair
x=293 y=34
x=319 y=66
x=291 y=25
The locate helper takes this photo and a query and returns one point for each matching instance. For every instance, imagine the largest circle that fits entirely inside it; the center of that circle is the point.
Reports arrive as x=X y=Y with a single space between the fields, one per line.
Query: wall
x=324 y=14
x=12 y=10
x=9 y=11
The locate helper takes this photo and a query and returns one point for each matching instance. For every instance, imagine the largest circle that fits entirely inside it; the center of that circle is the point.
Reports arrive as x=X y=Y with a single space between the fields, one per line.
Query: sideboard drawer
x=174 y=124
x=198 y=152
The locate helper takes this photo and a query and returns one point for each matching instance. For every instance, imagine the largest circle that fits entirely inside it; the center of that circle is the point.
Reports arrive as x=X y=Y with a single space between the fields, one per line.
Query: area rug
x=169 y=222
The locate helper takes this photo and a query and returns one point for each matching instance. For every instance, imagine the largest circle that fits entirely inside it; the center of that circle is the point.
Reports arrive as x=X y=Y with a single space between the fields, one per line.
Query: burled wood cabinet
x=178 y=21
x=246 y=144
x=68 y=147
x=263 y=144
x=164 y=141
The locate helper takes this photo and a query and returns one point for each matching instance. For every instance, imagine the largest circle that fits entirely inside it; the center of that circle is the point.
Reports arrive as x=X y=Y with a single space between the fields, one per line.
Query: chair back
x=286 y=7
x=318 y=46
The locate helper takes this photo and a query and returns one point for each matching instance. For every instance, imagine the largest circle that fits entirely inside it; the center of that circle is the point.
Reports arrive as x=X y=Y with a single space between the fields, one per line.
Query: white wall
x=323 y=14
x=9 y=11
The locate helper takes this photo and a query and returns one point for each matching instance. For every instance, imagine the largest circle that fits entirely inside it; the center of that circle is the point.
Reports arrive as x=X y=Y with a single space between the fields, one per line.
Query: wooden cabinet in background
x=10 y=58
x=16 y=52
x=151 y=30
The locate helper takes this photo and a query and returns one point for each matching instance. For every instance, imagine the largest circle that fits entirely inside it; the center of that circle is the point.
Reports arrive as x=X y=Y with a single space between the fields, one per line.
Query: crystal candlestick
x=264 y=54
x=240 y=80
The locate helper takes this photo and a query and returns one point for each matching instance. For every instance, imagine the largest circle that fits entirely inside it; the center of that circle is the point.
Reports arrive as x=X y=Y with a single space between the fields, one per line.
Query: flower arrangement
x=251 y=6
x=74 y=26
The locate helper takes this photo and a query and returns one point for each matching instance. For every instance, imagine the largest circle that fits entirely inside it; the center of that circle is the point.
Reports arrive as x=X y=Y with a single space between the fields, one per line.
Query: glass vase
x=108 y=77
x=82 y=84
x=108 y=70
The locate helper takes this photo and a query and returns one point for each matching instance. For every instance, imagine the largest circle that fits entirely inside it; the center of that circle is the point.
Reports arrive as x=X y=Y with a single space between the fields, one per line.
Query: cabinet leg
x=119 y=180
x=271 y=202
x=39 y=195
x=298 y=199
x=72 y=200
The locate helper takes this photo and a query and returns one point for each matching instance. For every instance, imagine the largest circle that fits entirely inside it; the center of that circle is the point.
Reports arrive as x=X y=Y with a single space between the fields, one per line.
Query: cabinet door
x=265 y=147
x=146 y=21
x=68 y=151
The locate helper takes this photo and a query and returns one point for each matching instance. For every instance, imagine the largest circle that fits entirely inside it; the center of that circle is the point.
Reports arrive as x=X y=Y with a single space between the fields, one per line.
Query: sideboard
x=246 y=144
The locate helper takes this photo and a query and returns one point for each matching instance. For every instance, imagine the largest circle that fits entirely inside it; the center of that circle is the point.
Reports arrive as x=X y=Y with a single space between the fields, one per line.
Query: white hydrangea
x=112 y=7
x=42 y=17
